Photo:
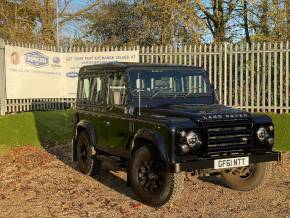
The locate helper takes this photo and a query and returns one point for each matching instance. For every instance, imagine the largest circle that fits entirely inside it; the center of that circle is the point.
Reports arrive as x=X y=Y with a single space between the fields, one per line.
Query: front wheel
x=150 y=181
x=247 y=178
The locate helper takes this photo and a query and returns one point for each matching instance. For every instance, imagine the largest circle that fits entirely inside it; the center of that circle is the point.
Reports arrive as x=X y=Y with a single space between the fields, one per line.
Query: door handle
x=107 y=123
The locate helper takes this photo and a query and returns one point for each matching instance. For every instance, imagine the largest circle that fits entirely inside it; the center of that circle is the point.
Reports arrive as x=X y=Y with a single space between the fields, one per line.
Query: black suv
x=161 y=120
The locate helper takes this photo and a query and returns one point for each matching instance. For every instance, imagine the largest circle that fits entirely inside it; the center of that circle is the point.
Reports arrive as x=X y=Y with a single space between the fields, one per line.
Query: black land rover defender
x=161 y=120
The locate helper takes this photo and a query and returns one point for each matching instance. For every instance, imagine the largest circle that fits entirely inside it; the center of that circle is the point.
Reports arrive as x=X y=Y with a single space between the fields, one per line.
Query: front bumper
x=208 y=163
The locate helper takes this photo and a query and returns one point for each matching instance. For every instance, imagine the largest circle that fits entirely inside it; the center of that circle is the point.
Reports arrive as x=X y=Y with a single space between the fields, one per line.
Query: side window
x=117 y=94
x=97 y=90
x=84 y=89
x=92 y=90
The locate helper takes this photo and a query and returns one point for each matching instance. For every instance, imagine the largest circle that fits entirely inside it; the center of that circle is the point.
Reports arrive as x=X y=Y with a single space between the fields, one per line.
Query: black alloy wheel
x=150 y=181
x=150 y=176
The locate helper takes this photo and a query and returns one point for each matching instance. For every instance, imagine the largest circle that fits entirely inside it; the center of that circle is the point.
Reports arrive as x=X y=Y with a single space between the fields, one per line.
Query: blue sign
x=72 y=74
x=36 y=59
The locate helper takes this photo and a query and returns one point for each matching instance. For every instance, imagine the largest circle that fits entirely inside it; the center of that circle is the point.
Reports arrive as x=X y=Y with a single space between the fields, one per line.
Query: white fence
x=254 y=78
x=22 y=105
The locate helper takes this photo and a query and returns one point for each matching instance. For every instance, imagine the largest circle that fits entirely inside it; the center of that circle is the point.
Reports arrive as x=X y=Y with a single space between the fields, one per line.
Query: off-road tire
x=91 y=166
x=172 y=184
x=260 y=176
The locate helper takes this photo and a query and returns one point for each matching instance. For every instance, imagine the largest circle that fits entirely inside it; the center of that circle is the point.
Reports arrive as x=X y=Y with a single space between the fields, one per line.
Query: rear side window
x=85 y=91
x=91 y=90
x=97 y=91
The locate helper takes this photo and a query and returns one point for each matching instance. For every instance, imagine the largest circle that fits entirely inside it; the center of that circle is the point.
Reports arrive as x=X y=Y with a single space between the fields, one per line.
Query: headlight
x=192 y=139
x=188 y=141
x=262 y=134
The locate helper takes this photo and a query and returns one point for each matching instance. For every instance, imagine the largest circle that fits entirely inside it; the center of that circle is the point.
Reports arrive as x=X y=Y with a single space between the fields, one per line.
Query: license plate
x=231 y=162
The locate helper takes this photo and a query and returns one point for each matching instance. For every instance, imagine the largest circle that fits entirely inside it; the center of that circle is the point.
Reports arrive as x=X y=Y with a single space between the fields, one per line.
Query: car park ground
x=35 y=182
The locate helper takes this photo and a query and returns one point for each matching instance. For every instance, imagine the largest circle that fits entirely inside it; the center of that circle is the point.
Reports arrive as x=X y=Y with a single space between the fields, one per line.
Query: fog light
x=183 y=133
x=184 y=148
x=270 y=141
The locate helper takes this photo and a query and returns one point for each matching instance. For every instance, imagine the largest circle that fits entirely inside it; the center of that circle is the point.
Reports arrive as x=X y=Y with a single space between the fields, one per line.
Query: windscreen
x=169 y=82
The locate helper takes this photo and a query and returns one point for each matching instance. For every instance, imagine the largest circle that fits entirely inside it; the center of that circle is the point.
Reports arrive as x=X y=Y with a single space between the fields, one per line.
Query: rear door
x=98 y=103
x=92 y=101
x=116 y=119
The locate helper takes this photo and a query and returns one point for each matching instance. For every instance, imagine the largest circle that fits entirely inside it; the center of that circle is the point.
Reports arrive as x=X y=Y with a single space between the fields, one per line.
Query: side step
x=113 y=160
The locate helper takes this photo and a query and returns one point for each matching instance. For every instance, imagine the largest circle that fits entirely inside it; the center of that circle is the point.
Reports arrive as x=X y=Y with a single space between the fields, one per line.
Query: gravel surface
x=35 y=182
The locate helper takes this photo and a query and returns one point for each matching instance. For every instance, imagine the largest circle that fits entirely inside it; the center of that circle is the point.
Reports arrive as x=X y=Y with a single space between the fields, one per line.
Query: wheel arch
x=145 y=137
x=86 y=126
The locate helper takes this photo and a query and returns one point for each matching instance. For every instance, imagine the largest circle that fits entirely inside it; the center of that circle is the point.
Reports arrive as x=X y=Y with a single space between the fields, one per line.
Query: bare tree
x=47 y=16
x=146 y=23
x=287 y=7
x=217 y=16
x=17 y=21
x=35 y=20
x=246 y=23
x=264 y=17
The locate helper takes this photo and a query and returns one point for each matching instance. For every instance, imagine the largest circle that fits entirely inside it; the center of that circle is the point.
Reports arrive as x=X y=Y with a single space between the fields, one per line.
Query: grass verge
x=282 y=131
x=53 y=127
x=35 y=128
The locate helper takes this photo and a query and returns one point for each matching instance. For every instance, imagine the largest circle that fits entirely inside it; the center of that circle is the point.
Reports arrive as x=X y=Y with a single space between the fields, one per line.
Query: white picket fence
x=254 y=78
x=38 y=104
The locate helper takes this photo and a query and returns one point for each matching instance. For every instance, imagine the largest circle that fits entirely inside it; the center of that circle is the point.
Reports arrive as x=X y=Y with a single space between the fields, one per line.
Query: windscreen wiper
x=156 y=93
x=191 y=91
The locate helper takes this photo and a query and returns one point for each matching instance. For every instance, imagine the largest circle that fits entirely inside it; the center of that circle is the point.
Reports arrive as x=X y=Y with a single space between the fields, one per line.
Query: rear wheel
x=86 y=159
x=150 y=181
x=247 y=178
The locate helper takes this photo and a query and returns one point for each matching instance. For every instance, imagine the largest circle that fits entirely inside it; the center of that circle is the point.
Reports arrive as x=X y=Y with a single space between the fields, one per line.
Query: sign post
x=2 y=79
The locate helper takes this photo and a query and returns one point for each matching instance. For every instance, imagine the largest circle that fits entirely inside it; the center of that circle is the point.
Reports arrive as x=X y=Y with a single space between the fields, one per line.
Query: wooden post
x=2 y=79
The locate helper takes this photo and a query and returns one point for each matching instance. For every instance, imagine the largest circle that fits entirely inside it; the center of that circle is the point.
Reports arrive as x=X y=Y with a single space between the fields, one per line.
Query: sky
x=73 y=28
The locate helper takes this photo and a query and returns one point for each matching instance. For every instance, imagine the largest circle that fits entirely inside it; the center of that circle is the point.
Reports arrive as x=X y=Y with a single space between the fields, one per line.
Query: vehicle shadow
x=216 y=180
x=54 y=132
x=115 y=178
x=109 y=176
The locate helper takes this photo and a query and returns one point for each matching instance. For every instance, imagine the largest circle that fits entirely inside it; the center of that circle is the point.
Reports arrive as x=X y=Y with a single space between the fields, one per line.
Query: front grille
x=225 y=137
